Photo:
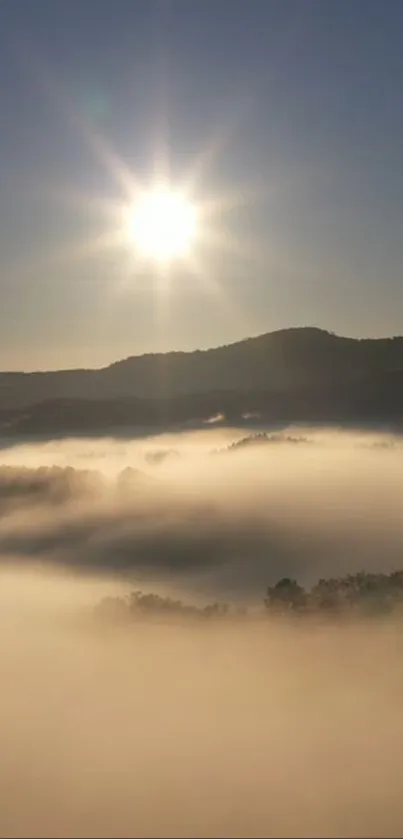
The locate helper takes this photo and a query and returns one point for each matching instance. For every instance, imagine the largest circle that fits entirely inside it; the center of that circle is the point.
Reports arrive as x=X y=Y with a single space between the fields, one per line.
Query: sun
x=162 y=224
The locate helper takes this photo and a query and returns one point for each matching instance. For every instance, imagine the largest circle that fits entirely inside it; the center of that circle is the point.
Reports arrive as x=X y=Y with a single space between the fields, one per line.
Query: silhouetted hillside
x=305 y=375
x=278 y=361
x=374 y=399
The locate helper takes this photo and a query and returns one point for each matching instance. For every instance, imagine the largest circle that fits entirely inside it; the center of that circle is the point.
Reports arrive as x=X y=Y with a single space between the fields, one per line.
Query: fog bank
x=253 y=727
x=192 y=511
x=249 y=729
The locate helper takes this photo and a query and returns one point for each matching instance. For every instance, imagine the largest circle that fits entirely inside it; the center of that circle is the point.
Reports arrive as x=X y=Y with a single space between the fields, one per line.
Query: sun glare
x=162 y=224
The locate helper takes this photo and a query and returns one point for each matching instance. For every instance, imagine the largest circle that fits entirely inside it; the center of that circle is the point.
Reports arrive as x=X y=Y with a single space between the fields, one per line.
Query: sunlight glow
x=162 y=224
x=160 y=231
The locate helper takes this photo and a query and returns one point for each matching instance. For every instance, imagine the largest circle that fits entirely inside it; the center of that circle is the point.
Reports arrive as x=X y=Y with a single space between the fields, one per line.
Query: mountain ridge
x=254 y=339
x=290 y=366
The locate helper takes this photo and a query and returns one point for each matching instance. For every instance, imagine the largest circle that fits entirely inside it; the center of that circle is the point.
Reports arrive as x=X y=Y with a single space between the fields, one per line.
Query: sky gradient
x=293 y=107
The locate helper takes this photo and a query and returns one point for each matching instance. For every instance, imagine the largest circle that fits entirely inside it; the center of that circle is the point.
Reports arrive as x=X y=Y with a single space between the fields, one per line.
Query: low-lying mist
x=245 y=727
x=197 y=512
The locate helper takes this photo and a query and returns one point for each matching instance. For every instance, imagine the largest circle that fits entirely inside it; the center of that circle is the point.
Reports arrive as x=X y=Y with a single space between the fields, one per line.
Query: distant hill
x=287 y=359
x=290 y=375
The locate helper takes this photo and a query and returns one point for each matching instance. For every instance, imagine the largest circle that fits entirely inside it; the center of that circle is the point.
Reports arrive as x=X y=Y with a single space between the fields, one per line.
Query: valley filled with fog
x=213 y=513
x=258 y=724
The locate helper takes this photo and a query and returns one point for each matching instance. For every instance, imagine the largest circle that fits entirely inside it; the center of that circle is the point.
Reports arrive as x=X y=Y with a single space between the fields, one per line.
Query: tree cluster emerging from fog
x=260 y=438
x=356 y=594
x=364 y=593
x=138 y=604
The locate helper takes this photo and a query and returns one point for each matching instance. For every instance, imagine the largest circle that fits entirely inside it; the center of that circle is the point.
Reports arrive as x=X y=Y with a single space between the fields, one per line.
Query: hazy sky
x=294 y=105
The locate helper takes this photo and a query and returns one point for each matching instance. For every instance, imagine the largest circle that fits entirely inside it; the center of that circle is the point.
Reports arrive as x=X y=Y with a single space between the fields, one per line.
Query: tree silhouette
x=363 y=593
x=286 y=596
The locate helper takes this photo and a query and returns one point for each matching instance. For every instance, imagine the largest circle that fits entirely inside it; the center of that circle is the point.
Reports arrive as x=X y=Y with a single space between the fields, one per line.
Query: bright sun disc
x=162 y=224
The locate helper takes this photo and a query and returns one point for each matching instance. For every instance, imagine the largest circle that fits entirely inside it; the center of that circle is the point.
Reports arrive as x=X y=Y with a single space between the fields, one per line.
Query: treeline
x=261 y=438
x=140 y=605
x=362 y=594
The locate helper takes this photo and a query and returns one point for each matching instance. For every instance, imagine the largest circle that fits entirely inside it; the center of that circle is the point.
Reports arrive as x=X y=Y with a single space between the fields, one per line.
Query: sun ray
x=67 y=254
x=70 y=195
x=123 y=175
x=177 y=228
x=225 y=202
x=214 y=148
x=209 y=284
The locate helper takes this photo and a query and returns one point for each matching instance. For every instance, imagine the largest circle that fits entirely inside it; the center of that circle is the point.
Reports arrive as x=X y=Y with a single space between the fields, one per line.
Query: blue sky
x=302 y=102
